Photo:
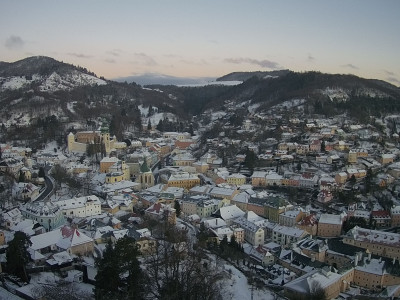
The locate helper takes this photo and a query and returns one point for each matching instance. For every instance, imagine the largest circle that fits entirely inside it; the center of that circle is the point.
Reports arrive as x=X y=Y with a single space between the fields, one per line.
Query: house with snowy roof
x=322 y=281
x=253 y=226
x=65 y=238
x=161 y=212
x=385 y=244
x=85 y=206
x=241 y=200
x=11 y=218
x=309 y=224
x=47 y=214
x=285 y=236
x=330 y=225
x=229 y=213
x=221 y=193
x=27 y=191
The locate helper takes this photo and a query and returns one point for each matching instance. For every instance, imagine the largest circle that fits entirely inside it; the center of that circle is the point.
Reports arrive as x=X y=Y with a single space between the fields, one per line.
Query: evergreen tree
x=191 y=130
x=18 y=256
x=41 y=173
x=119 y=275
x=368 y=180
x=107 y=279
x=250 y=159
x=177 y=207
x=151 y=111
x=323 y=146
x=149 y=125
x=21 y=176
x=160 y=126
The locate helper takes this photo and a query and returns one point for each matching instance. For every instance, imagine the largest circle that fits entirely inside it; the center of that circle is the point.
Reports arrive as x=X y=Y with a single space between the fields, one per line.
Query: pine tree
x=177 y=207
x=119 y=275
x=41 y=174
x=18 y=256
x=107 y=278
x=21 y=176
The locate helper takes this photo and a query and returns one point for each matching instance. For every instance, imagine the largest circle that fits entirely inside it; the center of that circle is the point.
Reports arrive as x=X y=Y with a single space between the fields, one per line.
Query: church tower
x=146 y=177
x=105 y=137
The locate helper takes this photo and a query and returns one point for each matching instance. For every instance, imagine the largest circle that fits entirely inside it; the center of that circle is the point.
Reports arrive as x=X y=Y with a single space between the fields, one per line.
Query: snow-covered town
x=310 y=212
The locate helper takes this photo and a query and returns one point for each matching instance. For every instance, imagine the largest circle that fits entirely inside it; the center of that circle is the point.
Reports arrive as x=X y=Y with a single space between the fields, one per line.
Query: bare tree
x=61 y=290
x=316 y=291
x=177 y=271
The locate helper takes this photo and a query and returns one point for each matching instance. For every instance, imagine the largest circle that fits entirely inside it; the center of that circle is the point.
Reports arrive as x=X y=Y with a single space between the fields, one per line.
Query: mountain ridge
x=78 y=93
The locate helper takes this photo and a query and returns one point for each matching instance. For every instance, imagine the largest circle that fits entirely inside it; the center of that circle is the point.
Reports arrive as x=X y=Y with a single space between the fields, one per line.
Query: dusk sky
x=207 y=38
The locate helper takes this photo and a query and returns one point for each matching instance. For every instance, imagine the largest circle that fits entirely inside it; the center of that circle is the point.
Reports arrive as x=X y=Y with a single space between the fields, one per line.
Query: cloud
x=14 y=42
x=80 y=55
x=389 y=73
x=201 y=62
x=172 y=56
x=115 y=52
x=310 y=58
x=262 y=63
x=393 y=80
x=146 y=59
x=110 y=60
x=350 y=66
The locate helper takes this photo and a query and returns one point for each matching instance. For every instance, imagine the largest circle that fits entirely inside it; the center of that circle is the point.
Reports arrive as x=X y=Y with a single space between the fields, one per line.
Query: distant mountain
x=161 y=79
x=243 y=76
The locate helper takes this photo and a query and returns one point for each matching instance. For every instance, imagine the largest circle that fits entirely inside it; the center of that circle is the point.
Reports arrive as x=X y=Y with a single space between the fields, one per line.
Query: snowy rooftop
x=289 y=231
x=374 y=236
x=330 y=219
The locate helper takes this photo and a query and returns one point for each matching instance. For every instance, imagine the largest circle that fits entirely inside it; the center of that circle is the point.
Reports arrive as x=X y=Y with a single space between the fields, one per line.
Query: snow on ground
x=216 y=115
x=55 y=82
x=70 y=106
x=291 y=103
x=6 y=295
x=48 y=279
x=14 y=82
x=336 y=94
x=252 y=108
x=239 y=289
x=155 y=119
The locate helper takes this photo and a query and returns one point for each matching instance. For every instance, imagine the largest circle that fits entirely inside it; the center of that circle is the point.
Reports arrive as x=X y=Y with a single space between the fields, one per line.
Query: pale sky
x=207 y=38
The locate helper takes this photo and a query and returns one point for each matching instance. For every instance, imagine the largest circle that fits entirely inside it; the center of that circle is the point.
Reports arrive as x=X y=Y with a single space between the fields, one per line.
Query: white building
x=80 y=207
x=284 y=235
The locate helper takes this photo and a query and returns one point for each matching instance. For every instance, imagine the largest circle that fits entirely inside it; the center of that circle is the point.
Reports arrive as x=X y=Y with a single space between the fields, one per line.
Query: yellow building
x=183 y=180
x=386 y=244
x=258 y=179
x=114 y=177
x=201 y=167
x=274 y=206
x=79 y=142
x=236 y=179
x=356 y=153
